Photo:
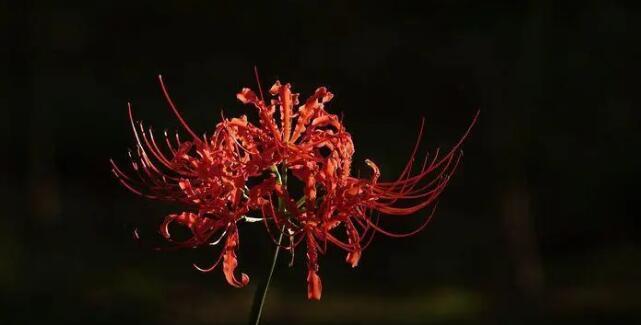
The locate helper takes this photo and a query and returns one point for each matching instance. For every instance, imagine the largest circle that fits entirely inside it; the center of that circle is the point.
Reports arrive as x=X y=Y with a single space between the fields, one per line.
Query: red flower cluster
x=211 y=176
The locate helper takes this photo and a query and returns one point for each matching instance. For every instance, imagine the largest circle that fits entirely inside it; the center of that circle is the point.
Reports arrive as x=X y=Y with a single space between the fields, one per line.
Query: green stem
x=261 y=293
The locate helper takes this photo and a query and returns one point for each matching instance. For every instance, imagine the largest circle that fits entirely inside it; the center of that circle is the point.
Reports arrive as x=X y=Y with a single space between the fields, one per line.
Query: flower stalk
x=261 y=291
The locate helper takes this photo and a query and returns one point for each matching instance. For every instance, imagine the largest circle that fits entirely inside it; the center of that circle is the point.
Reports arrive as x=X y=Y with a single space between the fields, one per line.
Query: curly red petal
x=230 y=261
x=314 y=284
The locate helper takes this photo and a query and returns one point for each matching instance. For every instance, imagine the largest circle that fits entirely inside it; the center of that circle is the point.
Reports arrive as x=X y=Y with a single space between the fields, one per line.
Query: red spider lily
x=210 y=177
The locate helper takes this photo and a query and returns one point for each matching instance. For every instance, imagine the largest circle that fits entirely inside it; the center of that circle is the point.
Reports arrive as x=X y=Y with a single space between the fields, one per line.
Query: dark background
x=539 y=224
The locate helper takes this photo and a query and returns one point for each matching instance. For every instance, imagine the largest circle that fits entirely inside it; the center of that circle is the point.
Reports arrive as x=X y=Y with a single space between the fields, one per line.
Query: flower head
x=293 y=142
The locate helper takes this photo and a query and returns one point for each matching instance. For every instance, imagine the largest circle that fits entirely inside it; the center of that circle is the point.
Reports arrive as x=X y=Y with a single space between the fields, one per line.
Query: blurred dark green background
x=540 y=224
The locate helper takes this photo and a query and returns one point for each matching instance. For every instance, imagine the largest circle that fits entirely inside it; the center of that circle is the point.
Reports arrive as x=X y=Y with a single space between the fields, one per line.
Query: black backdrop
x=538 y=224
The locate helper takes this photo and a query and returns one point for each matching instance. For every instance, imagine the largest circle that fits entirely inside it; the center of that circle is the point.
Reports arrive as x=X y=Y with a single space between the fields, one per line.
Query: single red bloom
x=211 y=177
